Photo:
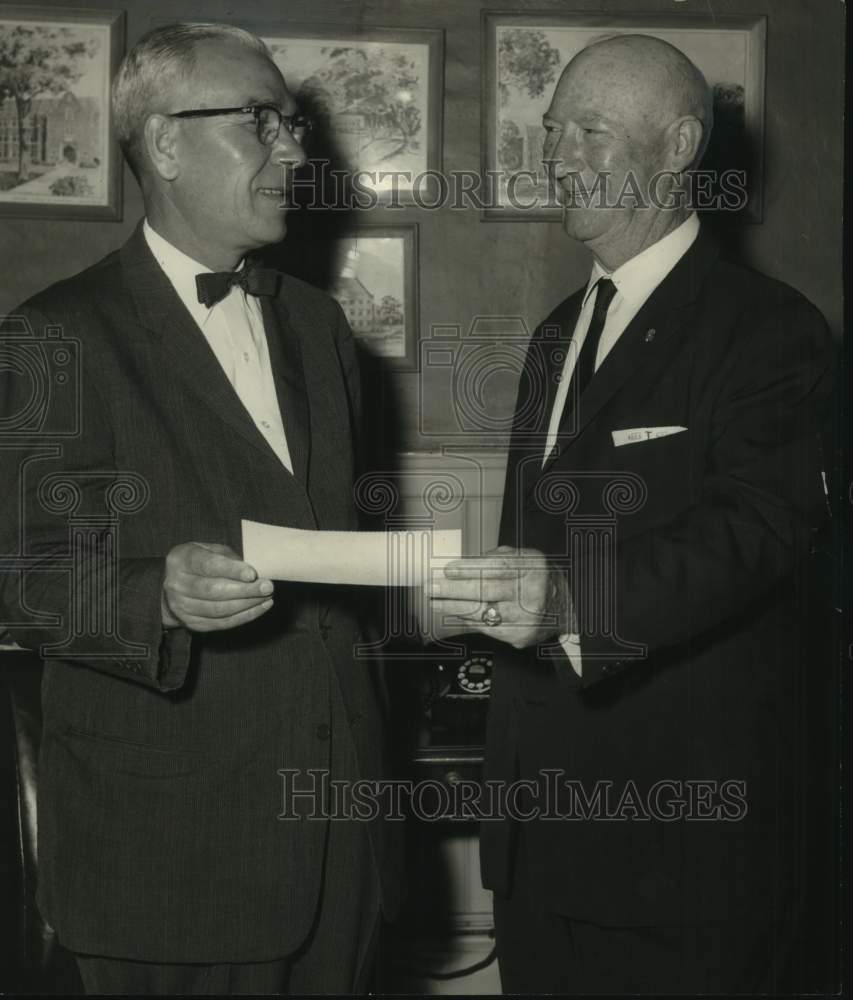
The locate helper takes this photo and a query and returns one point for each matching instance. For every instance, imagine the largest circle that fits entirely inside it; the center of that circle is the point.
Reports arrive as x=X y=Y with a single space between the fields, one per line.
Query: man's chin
x=576 y=222
x=587 y=224
x=274 y=229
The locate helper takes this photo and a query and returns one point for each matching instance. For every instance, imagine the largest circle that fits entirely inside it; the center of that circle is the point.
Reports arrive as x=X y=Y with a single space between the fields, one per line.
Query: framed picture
x=524 y=54
x=58 y=157
x=377 y=96
x=375 y=280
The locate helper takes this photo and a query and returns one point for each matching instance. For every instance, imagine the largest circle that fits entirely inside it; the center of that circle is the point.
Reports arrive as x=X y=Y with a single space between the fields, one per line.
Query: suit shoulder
x=82 y=291
x=299 y=295
x=753 y=317
x=758 y=293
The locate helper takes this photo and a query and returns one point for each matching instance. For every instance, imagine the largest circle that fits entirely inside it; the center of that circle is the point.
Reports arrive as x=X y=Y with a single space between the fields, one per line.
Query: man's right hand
x=208 y=588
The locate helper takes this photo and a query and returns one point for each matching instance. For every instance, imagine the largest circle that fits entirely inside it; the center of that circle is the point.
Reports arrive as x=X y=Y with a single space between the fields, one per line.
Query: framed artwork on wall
x=376 y=96
x=524 y=54
x=375 y=281
x=58 y=156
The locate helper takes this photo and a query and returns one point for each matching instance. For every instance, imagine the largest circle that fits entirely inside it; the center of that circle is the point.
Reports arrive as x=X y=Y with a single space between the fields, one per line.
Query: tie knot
x=214 y=286
x=604 y=292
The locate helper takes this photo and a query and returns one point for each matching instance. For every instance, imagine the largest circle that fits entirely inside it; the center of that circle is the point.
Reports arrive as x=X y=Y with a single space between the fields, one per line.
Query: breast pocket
x=667 y=466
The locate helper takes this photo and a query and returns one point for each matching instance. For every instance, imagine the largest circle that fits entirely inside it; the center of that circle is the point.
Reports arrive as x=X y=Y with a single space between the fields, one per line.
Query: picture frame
x=524 y=53
x=396 y=128
x=375 y=281
x=58 y=155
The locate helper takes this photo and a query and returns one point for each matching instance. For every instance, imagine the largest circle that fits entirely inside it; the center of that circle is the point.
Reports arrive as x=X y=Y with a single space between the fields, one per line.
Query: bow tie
x=213 y=287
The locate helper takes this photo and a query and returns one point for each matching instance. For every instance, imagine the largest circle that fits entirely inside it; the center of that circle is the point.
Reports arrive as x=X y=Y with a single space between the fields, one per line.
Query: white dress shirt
x=635 y=280
x=234 y=329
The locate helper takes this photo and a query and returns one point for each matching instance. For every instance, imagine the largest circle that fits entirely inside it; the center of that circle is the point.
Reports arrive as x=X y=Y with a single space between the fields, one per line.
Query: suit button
x=323 y=731
x=324 y=631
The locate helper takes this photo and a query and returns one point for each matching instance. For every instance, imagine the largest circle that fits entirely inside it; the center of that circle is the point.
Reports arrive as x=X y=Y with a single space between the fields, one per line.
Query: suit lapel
x=286 y=360
x=554 y=344
x=185 y=350
x=640 y=345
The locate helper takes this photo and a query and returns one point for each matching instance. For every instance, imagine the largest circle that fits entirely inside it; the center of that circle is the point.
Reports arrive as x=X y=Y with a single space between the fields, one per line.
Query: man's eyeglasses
x=268 y=120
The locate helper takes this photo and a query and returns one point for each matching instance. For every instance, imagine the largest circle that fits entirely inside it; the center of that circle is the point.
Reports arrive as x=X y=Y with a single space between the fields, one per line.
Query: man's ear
x=159 y=136
x=684 y=142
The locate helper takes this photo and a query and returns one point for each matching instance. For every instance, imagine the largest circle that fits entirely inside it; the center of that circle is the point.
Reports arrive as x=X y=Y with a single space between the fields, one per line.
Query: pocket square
x=635 y=435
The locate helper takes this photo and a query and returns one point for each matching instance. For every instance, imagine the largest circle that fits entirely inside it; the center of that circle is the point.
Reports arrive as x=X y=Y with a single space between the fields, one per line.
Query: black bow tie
x=213 y=287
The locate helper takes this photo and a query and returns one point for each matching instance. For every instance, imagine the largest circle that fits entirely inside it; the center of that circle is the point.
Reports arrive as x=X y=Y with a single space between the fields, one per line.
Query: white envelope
x=635 y=435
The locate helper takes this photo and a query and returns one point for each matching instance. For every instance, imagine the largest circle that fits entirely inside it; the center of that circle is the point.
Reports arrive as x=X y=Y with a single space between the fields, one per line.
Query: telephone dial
x=453 y=698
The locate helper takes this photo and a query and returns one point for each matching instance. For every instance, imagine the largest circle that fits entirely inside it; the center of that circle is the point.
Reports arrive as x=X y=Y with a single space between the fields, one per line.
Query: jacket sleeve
x=66 y=591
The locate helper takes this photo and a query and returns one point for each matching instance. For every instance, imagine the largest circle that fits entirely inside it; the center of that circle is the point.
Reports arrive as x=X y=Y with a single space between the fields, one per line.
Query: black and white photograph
x=425 y=488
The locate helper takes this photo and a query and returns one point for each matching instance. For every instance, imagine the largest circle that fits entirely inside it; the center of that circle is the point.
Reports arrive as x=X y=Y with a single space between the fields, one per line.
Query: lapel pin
x=650 y=335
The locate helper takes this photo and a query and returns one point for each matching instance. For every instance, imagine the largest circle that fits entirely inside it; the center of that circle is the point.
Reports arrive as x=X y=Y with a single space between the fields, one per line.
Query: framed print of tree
x=376 y=96
x=57 y=154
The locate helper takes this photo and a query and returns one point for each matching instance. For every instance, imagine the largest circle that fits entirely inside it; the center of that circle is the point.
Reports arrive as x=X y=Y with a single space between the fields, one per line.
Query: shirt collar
x=181 y=271
x=637 y=278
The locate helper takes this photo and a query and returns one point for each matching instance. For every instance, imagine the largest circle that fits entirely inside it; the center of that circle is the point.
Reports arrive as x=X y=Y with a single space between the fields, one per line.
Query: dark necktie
x=213 y=287
x=585 y=367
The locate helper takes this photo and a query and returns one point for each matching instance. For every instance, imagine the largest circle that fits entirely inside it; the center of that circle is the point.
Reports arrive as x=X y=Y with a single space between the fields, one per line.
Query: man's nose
x=564 y=155
x=287 y=150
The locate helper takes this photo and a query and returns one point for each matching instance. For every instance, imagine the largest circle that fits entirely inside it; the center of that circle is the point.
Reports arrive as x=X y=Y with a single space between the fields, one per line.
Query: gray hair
x=161 y=59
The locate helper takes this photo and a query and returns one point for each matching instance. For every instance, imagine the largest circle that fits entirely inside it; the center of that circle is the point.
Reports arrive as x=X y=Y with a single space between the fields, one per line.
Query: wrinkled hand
x=208 y=588
x=530 y=595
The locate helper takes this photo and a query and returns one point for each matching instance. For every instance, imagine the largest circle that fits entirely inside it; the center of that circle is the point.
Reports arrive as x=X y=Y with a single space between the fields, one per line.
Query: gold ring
x=491 y=616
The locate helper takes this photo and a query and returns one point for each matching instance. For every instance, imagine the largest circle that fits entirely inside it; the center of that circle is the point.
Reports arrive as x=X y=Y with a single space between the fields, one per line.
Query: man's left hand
x=530 y=598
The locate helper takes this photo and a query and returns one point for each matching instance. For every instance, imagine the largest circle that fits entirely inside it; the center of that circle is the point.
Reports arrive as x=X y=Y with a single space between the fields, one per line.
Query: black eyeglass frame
x=290 y=122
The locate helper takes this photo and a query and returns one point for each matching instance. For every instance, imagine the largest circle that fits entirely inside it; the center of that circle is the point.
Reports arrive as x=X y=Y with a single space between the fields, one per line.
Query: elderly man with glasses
x=170 y=861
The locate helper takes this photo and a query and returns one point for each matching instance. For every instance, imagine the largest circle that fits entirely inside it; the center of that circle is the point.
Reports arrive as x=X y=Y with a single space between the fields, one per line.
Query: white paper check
x=636 y=434
x=371 y=558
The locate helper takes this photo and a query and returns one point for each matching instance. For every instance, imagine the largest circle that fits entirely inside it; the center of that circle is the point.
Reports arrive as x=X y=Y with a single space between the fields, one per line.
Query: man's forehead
x=595 y=87
x=232 y=74
x=578 y=95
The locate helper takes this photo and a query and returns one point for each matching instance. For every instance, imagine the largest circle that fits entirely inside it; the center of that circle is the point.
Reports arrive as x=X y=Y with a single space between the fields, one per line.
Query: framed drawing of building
x=375 y=281
x=524 y=54
x=377 y=98
x=58 y=157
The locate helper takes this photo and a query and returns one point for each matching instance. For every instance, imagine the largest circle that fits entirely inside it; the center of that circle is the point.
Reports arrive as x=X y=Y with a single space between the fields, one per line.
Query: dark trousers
x=336 y=957
x=542 y=951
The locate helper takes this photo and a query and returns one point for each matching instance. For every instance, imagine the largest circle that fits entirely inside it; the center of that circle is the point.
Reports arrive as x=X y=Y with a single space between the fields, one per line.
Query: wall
x=471 y=268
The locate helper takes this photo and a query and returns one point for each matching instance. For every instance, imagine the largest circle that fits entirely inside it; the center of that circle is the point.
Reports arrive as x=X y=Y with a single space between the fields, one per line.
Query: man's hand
x=208 y=588
x=530 y=596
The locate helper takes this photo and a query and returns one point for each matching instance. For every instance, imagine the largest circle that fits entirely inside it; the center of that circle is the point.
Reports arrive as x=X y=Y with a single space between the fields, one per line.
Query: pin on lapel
x=650 y=335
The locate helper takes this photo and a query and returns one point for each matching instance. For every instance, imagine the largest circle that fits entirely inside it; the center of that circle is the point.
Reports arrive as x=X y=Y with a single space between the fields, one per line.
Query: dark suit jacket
x=712 y=526
x=159 y=796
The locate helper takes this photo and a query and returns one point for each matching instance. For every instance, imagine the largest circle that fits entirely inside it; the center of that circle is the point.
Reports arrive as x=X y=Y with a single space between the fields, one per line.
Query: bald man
x=663 y=490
